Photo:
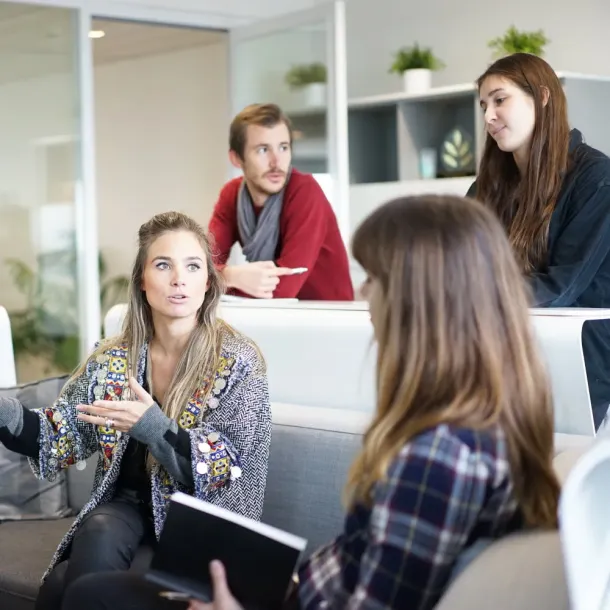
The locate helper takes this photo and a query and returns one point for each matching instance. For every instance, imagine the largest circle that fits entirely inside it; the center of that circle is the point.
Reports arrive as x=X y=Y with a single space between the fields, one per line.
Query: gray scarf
x=260 y=237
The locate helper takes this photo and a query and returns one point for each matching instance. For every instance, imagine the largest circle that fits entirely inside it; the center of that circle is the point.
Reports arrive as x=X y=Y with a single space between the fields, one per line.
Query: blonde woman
x=178 y=401
x=460 y=446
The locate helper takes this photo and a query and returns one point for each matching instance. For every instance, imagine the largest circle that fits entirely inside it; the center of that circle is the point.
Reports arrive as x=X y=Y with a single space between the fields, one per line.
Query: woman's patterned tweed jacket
x=229 y=435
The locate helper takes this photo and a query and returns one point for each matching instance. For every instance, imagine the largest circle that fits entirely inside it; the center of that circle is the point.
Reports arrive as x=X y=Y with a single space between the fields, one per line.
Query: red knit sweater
x=309 y=237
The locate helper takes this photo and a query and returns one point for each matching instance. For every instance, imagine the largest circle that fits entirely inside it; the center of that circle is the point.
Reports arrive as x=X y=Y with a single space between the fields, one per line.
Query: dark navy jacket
x=578 y=271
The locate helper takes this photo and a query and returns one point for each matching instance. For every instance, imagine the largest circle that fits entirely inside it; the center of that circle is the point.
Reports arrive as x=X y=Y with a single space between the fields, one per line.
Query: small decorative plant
x=414 y=58
x=514 y=41
x=457 y=154
x=307 y=74
x=47 y=326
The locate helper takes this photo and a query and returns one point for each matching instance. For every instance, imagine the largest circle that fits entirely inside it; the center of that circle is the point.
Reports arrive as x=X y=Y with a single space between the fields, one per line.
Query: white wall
x=162 y=132
x=459 y=32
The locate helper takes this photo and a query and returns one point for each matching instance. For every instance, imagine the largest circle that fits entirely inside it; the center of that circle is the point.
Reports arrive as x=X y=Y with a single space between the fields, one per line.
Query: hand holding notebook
x=259 y=559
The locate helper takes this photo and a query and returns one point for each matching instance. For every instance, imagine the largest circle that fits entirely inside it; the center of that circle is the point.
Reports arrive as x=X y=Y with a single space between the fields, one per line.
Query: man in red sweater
x=280 y=217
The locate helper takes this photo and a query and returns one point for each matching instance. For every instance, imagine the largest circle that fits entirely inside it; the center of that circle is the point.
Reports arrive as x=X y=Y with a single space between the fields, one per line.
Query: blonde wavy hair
x=455 y=344
x=201 y=356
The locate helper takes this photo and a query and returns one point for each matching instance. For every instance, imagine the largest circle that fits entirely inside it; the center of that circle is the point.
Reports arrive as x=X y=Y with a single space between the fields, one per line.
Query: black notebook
x=259 y=559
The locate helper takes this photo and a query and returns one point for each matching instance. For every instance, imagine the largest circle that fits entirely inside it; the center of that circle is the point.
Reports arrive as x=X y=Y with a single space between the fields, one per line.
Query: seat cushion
x=568 y=442
x=26 y=551
x=523 y=570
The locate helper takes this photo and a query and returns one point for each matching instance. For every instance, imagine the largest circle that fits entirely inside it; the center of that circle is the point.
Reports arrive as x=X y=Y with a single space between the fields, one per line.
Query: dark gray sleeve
x=582 y=247
x=19 y=428
x=11 y=415
x=169 y=444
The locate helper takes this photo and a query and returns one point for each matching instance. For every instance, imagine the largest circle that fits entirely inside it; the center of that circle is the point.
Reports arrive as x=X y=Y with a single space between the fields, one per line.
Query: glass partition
x=39 y=185
x=298 y=62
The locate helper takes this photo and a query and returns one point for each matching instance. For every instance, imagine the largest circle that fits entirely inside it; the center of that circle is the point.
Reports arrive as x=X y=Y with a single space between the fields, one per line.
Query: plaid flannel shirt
x=446 y=489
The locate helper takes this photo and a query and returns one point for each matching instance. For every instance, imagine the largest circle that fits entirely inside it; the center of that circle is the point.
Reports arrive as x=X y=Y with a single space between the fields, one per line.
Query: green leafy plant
x=514 y=41
x=412 y=58
x=48 y=325
x=307 y=74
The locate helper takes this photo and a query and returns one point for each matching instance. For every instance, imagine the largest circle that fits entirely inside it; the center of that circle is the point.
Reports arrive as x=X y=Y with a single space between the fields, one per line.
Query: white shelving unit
x=387 y=132
x=382 y=136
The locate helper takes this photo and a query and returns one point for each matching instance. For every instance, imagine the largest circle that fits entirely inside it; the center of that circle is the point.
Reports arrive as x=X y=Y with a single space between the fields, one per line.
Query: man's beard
x=265 y=191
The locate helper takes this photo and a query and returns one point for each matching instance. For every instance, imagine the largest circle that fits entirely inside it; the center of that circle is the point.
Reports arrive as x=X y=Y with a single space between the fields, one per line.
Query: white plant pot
x=418 y=80
x=314 y=94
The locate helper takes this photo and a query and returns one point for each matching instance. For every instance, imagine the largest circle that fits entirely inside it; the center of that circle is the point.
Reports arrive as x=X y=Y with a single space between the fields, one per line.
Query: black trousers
x=107 y=540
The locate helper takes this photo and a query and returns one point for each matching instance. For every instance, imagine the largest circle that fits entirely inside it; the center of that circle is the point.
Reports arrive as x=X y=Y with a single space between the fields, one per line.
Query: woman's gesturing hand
x=118 y=414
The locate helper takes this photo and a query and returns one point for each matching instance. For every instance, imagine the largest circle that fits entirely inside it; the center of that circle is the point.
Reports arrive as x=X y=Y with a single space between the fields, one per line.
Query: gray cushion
x=80 y=482
x=307 y=472
x=27 y=549
x=38 y=394
x=22 y=495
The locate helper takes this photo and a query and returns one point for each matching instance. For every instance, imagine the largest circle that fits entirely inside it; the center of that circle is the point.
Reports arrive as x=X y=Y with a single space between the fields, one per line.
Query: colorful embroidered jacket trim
x=230 y=434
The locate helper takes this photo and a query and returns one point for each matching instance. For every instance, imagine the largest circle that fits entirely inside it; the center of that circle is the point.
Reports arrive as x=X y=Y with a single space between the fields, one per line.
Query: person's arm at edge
x=19 y=428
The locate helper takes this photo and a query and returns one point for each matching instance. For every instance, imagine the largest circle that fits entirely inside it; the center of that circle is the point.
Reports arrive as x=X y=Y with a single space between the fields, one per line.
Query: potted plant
x=416 y=65
x=45 y=332
x=514 y=41
x=311 y=80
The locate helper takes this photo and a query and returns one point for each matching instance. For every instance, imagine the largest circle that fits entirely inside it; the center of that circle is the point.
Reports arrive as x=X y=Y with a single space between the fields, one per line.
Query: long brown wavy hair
x=525 y=204
x=454 y=343
x=201 y=355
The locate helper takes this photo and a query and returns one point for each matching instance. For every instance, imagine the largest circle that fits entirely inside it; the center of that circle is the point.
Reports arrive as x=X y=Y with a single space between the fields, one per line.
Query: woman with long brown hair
x=551 y=192
x=460 y=446
x=177 y=402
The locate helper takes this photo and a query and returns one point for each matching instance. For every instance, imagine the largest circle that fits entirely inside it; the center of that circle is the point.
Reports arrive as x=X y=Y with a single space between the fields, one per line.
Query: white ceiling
x=128 y=40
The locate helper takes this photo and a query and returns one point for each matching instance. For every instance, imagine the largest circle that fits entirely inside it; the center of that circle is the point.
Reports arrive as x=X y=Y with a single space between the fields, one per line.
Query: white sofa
x=8 y=375
x=319 y=356
x=322 y=355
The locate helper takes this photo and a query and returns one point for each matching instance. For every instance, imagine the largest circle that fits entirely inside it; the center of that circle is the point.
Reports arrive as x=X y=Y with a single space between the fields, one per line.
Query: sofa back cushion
x=308 y=466
x=343 y=377
x=22 y=495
